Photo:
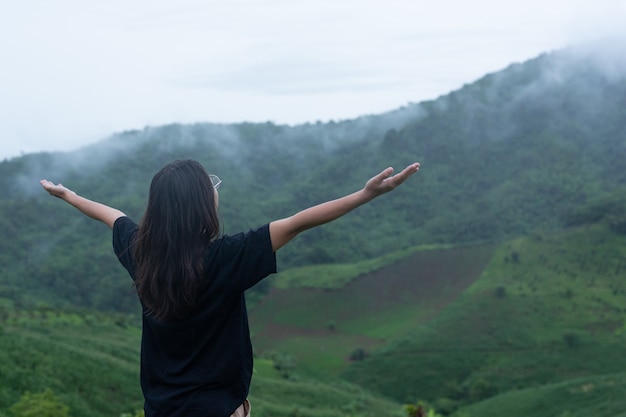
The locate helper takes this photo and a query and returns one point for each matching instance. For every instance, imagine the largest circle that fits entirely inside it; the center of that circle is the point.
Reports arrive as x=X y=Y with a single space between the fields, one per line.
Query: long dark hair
x=180 y=221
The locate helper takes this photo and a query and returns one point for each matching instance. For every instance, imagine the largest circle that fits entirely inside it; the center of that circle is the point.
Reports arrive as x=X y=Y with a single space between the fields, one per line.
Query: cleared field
x=323 y=327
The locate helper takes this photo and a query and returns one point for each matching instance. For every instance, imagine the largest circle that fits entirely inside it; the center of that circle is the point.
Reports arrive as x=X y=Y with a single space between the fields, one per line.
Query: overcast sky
x=73 y=71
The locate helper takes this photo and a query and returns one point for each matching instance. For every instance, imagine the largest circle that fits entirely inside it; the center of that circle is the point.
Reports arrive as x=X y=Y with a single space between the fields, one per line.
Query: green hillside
x=324 y=326
x=88 y=360
x=597 y=395
x=90 y=363
x=547 y=309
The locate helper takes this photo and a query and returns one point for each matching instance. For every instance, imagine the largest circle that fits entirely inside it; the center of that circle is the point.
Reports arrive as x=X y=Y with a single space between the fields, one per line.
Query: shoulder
x=123 y=230
x=124 y=221
x=245 y=258
x=242 y=248
x=253 y=237
x=124 y=225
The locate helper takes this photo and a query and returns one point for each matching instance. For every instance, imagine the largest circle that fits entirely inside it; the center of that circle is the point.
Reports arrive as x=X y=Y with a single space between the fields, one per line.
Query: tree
x=44 y=404
x=419 y=410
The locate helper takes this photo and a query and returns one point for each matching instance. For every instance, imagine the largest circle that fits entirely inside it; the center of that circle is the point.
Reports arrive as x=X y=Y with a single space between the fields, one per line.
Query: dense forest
x=533 y=152
x=538 y=145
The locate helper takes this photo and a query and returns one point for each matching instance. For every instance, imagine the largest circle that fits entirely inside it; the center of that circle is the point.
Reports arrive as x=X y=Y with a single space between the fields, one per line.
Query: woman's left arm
x=98 y=211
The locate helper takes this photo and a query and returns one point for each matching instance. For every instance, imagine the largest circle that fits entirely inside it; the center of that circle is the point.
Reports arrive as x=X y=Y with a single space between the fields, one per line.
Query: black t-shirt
x=202 y=366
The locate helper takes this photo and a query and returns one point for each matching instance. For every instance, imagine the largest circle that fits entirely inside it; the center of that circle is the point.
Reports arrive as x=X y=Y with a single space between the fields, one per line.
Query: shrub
x=571 y=339
x=482 y=389
x=44 y=404
x=500 y=292
x=358 y=354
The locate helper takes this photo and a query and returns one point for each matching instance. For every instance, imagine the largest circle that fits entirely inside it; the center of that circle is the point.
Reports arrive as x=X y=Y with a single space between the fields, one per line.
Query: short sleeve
x=251 y=257
x=124 y=230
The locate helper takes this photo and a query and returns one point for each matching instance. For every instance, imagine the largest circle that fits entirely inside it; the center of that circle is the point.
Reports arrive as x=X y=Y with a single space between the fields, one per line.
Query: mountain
x=491 y=284
x=532 y=147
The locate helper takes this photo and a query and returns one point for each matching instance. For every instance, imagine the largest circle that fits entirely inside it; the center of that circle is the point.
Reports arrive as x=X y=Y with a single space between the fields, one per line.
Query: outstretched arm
x=282 y=231
x=93 y=209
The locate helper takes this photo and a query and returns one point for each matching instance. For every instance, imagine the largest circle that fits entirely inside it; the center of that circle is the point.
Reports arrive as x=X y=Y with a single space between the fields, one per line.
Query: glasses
x=215 y=180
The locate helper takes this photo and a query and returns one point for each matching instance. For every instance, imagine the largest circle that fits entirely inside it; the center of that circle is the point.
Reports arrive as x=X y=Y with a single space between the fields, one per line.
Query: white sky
x=73 y=71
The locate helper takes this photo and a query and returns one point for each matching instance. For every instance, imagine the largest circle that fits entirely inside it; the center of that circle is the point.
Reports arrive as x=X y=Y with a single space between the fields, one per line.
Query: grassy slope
x=273 y=396
x=592 y=396
x=545 y=310
x=321 y=327
x=91 y=363
x=89 y=360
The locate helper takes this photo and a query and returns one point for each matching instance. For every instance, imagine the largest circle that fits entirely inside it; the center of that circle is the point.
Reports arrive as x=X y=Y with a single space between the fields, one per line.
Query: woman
x=196 y=354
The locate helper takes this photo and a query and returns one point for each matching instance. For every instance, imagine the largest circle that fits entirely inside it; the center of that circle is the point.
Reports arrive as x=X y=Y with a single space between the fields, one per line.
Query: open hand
x=57 y=190
x=386 y=181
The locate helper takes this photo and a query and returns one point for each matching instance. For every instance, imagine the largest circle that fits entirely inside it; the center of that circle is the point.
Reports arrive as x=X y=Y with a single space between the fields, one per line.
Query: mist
x=530 y=126
x=78 y=73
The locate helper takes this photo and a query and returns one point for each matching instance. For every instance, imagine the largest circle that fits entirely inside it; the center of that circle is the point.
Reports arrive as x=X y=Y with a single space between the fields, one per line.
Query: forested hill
x=537 y=146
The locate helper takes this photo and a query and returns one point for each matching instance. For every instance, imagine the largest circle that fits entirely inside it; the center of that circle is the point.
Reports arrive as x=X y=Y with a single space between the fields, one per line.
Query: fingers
x=46 y=184
x=404 y=174
x=386 y=173
x=413 y=168
x=52 y=189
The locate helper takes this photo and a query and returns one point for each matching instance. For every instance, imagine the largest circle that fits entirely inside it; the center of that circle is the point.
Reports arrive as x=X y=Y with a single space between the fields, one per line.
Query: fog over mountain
x=530 y=148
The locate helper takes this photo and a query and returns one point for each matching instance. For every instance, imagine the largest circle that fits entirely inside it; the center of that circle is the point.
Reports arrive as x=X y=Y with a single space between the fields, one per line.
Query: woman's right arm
x=282 y=231
x=98 y=211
